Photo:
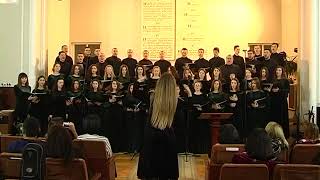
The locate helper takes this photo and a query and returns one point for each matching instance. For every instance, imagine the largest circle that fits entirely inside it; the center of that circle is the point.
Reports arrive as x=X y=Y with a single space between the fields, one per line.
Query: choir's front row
x=117 y=107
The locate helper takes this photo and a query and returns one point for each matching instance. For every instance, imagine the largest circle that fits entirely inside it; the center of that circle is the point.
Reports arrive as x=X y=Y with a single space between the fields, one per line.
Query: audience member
x=31 y=128
x=311 y=134
x=229 y=134
x=275 y=132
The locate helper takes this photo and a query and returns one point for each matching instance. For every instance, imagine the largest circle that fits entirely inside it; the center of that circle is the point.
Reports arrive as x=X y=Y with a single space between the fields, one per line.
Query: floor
x=192 y=168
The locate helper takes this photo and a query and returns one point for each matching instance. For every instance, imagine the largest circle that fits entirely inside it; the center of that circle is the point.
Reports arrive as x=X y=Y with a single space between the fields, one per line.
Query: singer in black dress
x=75 y=75
x=217 y=98
x=76 y=106
x=257 y=107
x=266 y=84
x=200 y=140
x=40 y=105
x=124 y=77
x=202 y=77
x=134 y=120
x=246 y=82
x=279 y=103
x=22 y=91
x=114 y=118
x=52 y=78
x=58 y=99
x=235 y=105
x=92 y=74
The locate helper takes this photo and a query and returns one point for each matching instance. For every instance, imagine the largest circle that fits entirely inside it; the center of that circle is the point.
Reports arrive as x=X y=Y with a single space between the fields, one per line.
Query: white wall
x=15 y=54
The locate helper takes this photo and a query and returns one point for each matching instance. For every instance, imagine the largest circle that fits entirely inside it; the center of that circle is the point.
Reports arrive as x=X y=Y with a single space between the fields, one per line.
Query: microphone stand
x=84 y=104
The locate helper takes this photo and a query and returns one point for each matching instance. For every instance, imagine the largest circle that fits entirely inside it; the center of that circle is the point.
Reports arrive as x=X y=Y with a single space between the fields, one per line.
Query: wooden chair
x=55 y=169
x=10 y=165
x=244 y=171
x=94 y=152
x=304 y=153
x=5 y=140
x=296 y=172
x=220 y=154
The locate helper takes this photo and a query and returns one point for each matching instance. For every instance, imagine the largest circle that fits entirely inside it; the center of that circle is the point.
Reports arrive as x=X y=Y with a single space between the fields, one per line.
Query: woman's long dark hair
x=259 y=145
x=59 y=144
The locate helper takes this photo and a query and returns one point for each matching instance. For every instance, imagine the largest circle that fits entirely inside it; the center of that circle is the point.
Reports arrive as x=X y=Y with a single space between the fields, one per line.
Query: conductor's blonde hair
x=164 y=103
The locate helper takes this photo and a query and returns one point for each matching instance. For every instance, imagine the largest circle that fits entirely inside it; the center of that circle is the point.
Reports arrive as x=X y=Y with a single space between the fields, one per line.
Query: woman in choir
x=279 y=103
x=75 y=75
x=58 y=99
x=217 y=75
x=134 y=121
x=140 y=85
x=114 y=121
x=92 y=74
x=200 y=140
x=186 y=82
x=257 y=107
x=235 y=105
x=217 y=98
x=40 y=105
x=172 y=70
x=52 y=78
x=22 y=90
x=265 y=80
x=158 y=158
x=75 y=109
x=155 y=76
x=95 y=102
x=181 y=123
x=108 y=77
x=246 y=82
x=204 y=81
x=124 y=77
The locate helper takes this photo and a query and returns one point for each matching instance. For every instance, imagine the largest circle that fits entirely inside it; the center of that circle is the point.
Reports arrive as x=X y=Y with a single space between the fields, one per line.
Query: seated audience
x=58 y=121
x=311 y=134
x=59 y=145
x=258 y=150
x=278 y=139
x=229 y=134
x=31 y=128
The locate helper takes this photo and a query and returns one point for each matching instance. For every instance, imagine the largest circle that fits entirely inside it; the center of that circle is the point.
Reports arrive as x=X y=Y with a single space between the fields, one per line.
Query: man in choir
x=145 y=60
x=69 y=59
x=102 y=63
x=114 y=61
x=162 y=63
x=238 y=60
x=87 y=56
x=65 y=65
x=216 y=61
x=201 y=62
x=80 y=61
x=131 y=63
x=94 y=59
x=146 y=63
x=252 y=63
x=180 y=62
x=257 y=51
x=268 y=62
x=277 y=57
x=230 y=68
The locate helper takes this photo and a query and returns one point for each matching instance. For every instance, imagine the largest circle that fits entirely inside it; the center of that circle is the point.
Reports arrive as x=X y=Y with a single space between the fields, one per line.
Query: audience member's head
x=59 y=144
x=275 y=131
x=31 y=127
x=55 y=121
x=311 y=132
x=228 y=134
x=259 y=145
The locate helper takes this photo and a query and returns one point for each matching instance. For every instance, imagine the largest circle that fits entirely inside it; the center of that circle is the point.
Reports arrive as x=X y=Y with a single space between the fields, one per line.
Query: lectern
x=215 y=120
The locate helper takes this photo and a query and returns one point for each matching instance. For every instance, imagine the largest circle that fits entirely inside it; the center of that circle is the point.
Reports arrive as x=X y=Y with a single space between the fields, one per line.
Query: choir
x=110 y=97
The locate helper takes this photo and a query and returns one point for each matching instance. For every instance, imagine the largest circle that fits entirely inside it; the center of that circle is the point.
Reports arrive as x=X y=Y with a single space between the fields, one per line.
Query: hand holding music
x=255 y=104
x=275 y=89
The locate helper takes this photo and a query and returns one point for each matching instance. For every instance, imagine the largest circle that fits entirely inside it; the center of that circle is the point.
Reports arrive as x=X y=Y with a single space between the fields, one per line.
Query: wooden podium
x=215 y=120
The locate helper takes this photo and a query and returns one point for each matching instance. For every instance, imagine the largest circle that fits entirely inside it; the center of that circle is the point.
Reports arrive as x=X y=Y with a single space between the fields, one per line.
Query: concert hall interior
x=160 y=89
